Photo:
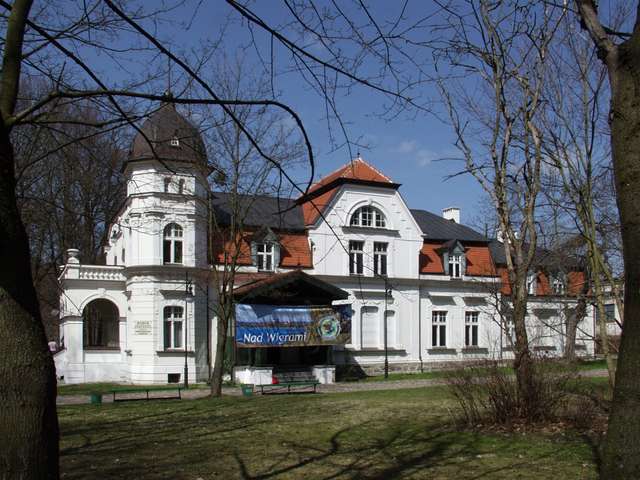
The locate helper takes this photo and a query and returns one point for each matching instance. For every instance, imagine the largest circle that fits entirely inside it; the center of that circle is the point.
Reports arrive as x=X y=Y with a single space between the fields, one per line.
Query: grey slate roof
x=160 y=128
x=262 y=211
x=284 y=214
x=544 y=258
x=497 y=252
x=434 y=227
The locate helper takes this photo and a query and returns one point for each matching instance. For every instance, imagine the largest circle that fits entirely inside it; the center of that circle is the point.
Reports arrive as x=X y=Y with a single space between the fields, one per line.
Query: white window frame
x=439 y=329
x=368 y=216
x=265 y=257
x=532 y=283
x=455 y=265
x=170 y=319
x=380 y=258
x=175 y=141
x=471 y=329
x=558 y=286
x=356 y=257
x=174 y=236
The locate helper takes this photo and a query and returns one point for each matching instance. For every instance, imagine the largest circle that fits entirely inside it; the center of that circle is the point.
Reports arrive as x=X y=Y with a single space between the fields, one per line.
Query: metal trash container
x=247 y=390
x=96 y=399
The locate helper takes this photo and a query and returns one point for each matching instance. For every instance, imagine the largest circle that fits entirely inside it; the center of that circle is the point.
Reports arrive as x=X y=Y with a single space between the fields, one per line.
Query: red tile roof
x=295 y=250
x=322 y=192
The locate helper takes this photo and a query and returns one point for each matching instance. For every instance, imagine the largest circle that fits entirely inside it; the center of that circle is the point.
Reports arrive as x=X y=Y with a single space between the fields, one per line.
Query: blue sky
x=408 y=148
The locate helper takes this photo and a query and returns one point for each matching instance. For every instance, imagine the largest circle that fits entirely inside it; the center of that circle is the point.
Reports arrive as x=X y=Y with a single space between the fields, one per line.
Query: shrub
x=488 y=392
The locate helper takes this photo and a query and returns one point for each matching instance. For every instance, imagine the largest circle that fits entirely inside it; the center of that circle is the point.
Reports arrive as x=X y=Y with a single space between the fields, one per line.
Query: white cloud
x=407 y=146
x=423 y=157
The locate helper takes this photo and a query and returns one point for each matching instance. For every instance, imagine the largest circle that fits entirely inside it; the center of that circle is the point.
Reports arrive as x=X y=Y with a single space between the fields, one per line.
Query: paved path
x=333 y=388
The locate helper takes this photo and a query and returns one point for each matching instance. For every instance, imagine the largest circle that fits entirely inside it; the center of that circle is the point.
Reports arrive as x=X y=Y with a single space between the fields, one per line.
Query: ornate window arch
x=368 y=216
x=101 y=323
x=172 y=243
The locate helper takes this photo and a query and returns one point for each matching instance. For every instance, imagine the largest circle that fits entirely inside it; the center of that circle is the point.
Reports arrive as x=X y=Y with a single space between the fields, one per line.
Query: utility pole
x=387 y=292
x=187 y=294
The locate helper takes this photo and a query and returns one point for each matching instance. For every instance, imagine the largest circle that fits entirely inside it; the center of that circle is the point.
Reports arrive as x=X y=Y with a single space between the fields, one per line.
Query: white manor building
x=134 y=320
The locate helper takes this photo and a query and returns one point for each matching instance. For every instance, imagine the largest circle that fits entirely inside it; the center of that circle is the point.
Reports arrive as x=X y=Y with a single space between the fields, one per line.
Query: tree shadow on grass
x=277 y=439
x=398 y=455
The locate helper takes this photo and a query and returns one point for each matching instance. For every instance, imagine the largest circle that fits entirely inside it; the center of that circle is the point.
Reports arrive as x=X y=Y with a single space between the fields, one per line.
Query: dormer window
x=172 y=246
x=175 y=142
x=264 y=253
x=558 y=285
x=455 y=266
x=454 y=259
x=367 y=216
x=265 y=250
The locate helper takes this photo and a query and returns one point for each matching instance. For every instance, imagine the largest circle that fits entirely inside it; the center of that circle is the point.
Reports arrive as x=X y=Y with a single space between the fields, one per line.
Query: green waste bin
x=247 y=390
x=96 y=398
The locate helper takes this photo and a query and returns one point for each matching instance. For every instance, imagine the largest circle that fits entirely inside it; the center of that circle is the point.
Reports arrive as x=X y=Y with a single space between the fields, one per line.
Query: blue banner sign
x=286 y=326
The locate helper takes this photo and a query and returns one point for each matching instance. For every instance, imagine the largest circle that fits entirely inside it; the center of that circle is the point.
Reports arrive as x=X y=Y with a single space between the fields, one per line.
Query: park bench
x=289 y=387
x=177 y=395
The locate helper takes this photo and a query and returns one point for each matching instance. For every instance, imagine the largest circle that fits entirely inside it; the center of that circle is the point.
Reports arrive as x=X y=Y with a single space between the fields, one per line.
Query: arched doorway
x=101 y=327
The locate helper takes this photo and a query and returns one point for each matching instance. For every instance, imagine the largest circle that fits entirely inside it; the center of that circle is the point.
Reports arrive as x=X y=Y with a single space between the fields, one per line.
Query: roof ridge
x=360 y=159
x=340 y=173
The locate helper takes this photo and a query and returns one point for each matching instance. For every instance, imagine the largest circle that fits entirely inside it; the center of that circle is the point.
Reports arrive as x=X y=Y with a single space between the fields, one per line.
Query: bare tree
x=40 y=42
x=576 y=145
x=242 y=176
x=503 y=48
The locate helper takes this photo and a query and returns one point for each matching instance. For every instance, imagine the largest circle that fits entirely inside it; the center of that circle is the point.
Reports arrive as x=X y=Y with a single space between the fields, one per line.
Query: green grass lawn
x=373 y=435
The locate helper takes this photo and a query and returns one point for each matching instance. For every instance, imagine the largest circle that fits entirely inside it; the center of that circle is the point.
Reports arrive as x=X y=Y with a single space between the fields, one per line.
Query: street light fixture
x=387 y=293
x=188 y=292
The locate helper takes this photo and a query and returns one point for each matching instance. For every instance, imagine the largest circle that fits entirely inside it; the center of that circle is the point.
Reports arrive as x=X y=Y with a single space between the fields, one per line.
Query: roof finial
x=358 y=157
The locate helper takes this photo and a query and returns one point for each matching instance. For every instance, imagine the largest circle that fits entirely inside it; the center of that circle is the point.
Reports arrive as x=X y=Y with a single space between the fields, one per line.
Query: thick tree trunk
x=218 y=363
x=603 y=334
x=28 y=419
x=621 y=454
x=523 y=363
x=573 y=318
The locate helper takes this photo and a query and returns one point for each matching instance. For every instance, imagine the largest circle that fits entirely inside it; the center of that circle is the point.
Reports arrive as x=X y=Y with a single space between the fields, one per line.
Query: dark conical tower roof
x=173 y=137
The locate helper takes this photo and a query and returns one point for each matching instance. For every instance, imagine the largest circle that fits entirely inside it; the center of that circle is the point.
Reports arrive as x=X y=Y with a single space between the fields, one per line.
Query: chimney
x=451 y=213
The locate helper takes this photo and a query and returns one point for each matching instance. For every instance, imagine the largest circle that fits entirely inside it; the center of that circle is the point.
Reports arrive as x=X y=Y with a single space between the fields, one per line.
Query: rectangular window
x=379 y=258
x=455 y=266
x=609 y=312
x=265 y=257
x=439 y=329
x=173 y=331
x=369 y=327
x=356 y=254
x=471 y=329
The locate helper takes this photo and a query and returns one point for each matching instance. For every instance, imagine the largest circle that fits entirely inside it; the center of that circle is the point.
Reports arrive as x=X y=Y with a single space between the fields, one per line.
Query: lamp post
x=387 y=291
x=187 y=293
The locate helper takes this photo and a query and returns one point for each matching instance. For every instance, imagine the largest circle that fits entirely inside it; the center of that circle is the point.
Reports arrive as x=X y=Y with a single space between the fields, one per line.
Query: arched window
x=100 y=325
x=368 y=216
x=172 y=247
